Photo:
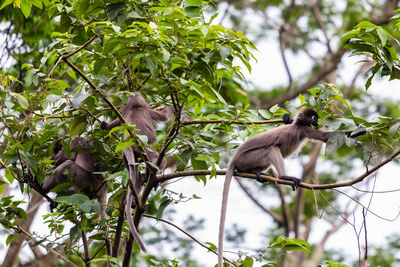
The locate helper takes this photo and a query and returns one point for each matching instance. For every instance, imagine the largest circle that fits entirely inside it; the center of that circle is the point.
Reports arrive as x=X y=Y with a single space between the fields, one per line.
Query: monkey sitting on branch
x=268 y=149
x=137 y=112
x=78 y=170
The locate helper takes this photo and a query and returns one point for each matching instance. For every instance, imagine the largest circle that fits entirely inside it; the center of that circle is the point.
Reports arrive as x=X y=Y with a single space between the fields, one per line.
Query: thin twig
x=186 y=233
x=62 y=57
x=273 y=214
x=55 y=252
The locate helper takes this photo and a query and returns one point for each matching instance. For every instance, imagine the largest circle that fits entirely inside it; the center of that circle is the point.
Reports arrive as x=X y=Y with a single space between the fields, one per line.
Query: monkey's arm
x=59 y=158
x=114 y=123
x=68 y=171
x=161 y=115
x=314 y=134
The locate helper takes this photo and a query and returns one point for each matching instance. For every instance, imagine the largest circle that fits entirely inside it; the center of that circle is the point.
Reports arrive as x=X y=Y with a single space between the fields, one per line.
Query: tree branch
x=190 y=122
x=55 y=252
x=274 y=215
x=165 y=177
x=186 y=233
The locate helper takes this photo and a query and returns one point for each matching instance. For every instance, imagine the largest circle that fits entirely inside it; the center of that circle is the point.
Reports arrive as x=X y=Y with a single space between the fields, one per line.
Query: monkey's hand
x=287 y=118
x=355 y=133
x=296 y=181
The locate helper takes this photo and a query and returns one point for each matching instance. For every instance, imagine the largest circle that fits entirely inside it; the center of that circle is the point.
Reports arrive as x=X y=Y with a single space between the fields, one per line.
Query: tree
x=70 y=71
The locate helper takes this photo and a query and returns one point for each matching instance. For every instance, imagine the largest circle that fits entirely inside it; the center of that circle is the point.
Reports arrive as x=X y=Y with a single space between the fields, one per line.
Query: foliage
x=379 y=44
x=290 y=244
x=74 y=63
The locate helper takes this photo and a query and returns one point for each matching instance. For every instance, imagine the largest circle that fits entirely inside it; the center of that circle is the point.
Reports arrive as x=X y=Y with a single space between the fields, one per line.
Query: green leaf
x=374 y=71
x=9 y=176
x=224 y=52
x=37 y=3
x=165 y=201
x=143 y=138
x=199 y=165
x=274 y=108
x=265 y=114
x=151 y=65
x=335 y=141
x=98 y=64
x=77 y=126
x=382 y=35
x=366 y=25
x=72 y=74
x=302 y=99
x=113 y=9
x=26 y=8
x=248 y=262
x=79 y=98
x=212 y=246
x=291 y=244
x=21 y=100
x=394 y=128
x=10 y=238
x=74 y=232
x=115 y=175
x=74 y=199
x=124 y=144
x=193 y=3
x=6 y=3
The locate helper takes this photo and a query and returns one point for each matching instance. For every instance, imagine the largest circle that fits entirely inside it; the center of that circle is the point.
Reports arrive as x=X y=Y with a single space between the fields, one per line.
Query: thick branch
x=165 y=177
x=229 y=122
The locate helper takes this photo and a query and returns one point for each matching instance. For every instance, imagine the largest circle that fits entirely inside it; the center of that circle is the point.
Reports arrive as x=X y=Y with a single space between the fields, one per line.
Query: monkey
x=79 y=170
x=138 y=112
x=270 y=148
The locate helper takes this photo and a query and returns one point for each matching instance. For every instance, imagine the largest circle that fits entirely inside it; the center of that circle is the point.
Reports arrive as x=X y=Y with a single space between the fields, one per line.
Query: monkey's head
x=307 y=117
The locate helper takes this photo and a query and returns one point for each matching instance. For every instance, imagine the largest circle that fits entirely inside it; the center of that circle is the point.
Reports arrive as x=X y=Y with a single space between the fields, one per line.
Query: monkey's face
x=308 y=117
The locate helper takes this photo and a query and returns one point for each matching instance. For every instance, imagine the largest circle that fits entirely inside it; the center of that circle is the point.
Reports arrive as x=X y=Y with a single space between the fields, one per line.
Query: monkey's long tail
x=224 y=204
x=130 y=222
x=130 y=158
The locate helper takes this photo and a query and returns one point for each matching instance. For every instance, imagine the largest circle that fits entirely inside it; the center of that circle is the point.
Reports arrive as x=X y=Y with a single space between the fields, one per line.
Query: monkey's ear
x=287 y=118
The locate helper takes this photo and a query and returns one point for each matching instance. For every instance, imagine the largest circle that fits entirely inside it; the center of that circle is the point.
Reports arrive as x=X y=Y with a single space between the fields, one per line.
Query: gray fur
x=138 y=113
x=265 y=149
x=79 y=171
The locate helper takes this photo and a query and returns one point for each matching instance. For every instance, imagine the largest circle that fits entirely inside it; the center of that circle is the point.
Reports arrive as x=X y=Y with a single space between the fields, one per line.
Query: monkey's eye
x=314 y=121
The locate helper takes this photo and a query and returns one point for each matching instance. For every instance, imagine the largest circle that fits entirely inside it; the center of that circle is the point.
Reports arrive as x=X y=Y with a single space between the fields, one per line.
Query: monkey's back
x=254 y=154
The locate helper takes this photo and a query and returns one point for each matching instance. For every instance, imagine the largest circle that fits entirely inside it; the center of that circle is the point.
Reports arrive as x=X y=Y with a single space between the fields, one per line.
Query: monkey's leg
x=279 y=164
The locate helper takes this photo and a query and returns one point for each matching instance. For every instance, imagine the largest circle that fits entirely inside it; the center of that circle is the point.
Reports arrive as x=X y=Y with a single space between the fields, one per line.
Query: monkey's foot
x=296 y=181
x=258 y=178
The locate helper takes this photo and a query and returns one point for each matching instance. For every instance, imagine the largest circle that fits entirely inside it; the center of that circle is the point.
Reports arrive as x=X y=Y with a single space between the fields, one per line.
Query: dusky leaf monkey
x=138 y=113
x=79 y=170
x=269 y=149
